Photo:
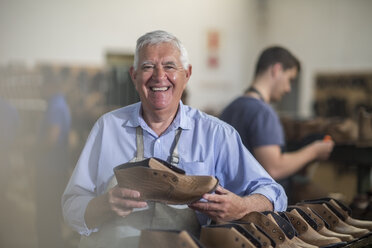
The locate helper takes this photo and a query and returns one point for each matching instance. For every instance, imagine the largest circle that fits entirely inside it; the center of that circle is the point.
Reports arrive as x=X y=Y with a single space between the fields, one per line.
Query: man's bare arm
x=280 y=165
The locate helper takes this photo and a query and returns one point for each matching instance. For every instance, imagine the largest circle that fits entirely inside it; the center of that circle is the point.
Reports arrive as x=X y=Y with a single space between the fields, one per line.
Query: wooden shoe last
x=322 y=226
x=270 y=228
x=306 y=232
x=158 y=181
x=336 y=224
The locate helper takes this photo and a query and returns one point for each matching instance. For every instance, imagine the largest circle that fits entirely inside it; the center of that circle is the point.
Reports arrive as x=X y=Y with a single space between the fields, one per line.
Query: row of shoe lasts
x=322 y=222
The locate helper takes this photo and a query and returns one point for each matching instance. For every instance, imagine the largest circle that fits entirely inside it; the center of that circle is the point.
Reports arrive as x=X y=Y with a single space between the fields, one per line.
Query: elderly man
x=161 y=126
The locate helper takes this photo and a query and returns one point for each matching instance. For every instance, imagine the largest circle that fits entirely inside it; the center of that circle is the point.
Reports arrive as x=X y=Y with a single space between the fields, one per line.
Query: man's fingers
x=130 y=204
x=207 y=209
x=123 y=200
x=205 y=206
x=129 y=193
x=220 y=190
x=218 y=198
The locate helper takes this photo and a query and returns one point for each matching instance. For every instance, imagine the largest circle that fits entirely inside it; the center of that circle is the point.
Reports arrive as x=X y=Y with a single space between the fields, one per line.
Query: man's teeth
x=159 y=88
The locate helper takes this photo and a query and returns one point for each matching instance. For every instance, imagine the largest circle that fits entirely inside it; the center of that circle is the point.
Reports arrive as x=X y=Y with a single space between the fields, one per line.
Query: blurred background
x=71 y=58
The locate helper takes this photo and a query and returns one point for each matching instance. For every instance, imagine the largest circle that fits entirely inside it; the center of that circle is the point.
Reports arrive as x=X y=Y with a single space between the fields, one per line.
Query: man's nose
x=158 y=73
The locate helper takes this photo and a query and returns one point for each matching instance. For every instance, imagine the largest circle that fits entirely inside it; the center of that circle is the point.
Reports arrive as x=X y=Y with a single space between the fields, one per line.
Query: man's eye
x=147 y=67
x=169 y=67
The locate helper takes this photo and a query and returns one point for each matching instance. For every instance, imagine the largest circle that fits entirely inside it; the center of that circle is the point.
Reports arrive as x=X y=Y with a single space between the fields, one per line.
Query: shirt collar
x=182 y=120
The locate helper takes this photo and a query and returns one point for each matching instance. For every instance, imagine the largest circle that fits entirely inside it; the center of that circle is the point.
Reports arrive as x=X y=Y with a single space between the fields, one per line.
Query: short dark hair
x=273 y=55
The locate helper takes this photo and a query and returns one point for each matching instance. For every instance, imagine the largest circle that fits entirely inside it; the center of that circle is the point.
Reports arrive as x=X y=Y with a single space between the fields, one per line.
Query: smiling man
x=160 y=81
x=161 y=126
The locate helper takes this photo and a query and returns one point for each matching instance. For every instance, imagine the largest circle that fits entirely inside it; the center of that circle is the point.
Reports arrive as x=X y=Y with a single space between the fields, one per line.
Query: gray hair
x=156 y=37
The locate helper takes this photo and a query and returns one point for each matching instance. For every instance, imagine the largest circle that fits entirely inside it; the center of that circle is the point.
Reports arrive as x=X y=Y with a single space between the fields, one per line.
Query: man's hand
x=224 y=205
x=122 y=200
x=323 y=148
x=117 y=201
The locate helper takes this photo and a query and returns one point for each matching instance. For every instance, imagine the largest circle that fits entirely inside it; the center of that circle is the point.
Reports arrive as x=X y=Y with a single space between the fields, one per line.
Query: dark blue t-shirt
x=256 y=122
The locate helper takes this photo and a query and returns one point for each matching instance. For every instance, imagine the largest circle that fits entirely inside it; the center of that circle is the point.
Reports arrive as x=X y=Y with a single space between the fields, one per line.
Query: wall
x=82 y=31
x=325 y=34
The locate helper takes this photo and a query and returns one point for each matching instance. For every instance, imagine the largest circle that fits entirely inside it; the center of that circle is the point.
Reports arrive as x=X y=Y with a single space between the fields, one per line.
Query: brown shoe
x=335 y=223
x=167 y=239
x=270 y=228
x=306 y=232
x=321 y=225
x=158 y=181
x=227 y=235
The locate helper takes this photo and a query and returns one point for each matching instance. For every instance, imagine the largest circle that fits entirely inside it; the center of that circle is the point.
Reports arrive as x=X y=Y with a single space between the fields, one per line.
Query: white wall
x=325 y=34
x=82 y=31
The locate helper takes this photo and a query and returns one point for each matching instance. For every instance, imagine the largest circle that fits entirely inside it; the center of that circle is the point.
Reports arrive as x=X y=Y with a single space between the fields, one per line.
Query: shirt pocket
x=196 y=168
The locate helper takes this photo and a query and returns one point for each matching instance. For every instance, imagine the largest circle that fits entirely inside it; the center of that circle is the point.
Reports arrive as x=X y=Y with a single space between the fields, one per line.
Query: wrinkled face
x=283 y=83
x=160 y=77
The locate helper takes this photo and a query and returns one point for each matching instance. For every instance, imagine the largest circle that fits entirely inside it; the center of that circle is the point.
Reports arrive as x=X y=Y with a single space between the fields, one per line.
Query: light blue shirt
x=207 y=146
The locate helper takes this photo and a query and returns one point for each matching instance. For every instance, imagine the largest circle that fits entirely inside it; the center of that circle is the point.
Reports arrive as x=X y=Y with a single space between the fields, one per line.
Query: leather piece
x=160 y=182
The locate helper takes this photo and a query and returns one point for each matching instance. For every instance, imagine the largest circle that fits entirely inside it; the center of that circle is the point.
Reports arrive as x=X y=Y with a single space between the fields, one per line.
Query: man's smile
x=156 y=89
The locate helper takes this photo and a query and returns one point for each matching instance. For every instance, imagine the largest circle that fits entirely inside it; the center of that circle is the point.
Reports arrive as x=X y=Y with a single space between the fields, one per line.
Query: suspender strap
x=140 y=148
x=175 y=158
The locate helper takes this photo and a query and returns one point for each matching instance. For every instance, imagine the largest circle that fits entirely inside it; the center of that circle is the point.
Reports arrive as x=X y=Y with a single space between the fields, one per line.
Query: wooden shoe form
x=270 y=228
x=263 y=238
x=343 y=212
x=294 y=239
x=335 y=223
x=321 y=225
x=161 y=182
x=306 y=232
x=348 y=219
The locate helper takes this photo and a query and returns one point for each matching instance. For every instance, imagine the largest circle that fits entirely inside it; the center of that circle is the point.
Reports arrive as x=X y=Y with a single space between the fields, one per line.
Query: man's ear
x=133 y=73
x=188 y=72
x=276 y=69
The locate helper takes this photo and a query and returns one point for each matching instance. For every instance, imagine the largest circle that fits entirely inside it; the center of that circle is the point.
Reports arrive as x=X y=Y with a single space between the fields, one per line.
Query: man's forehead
x=163 y=62
x=159 y=53
x=159 y=46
